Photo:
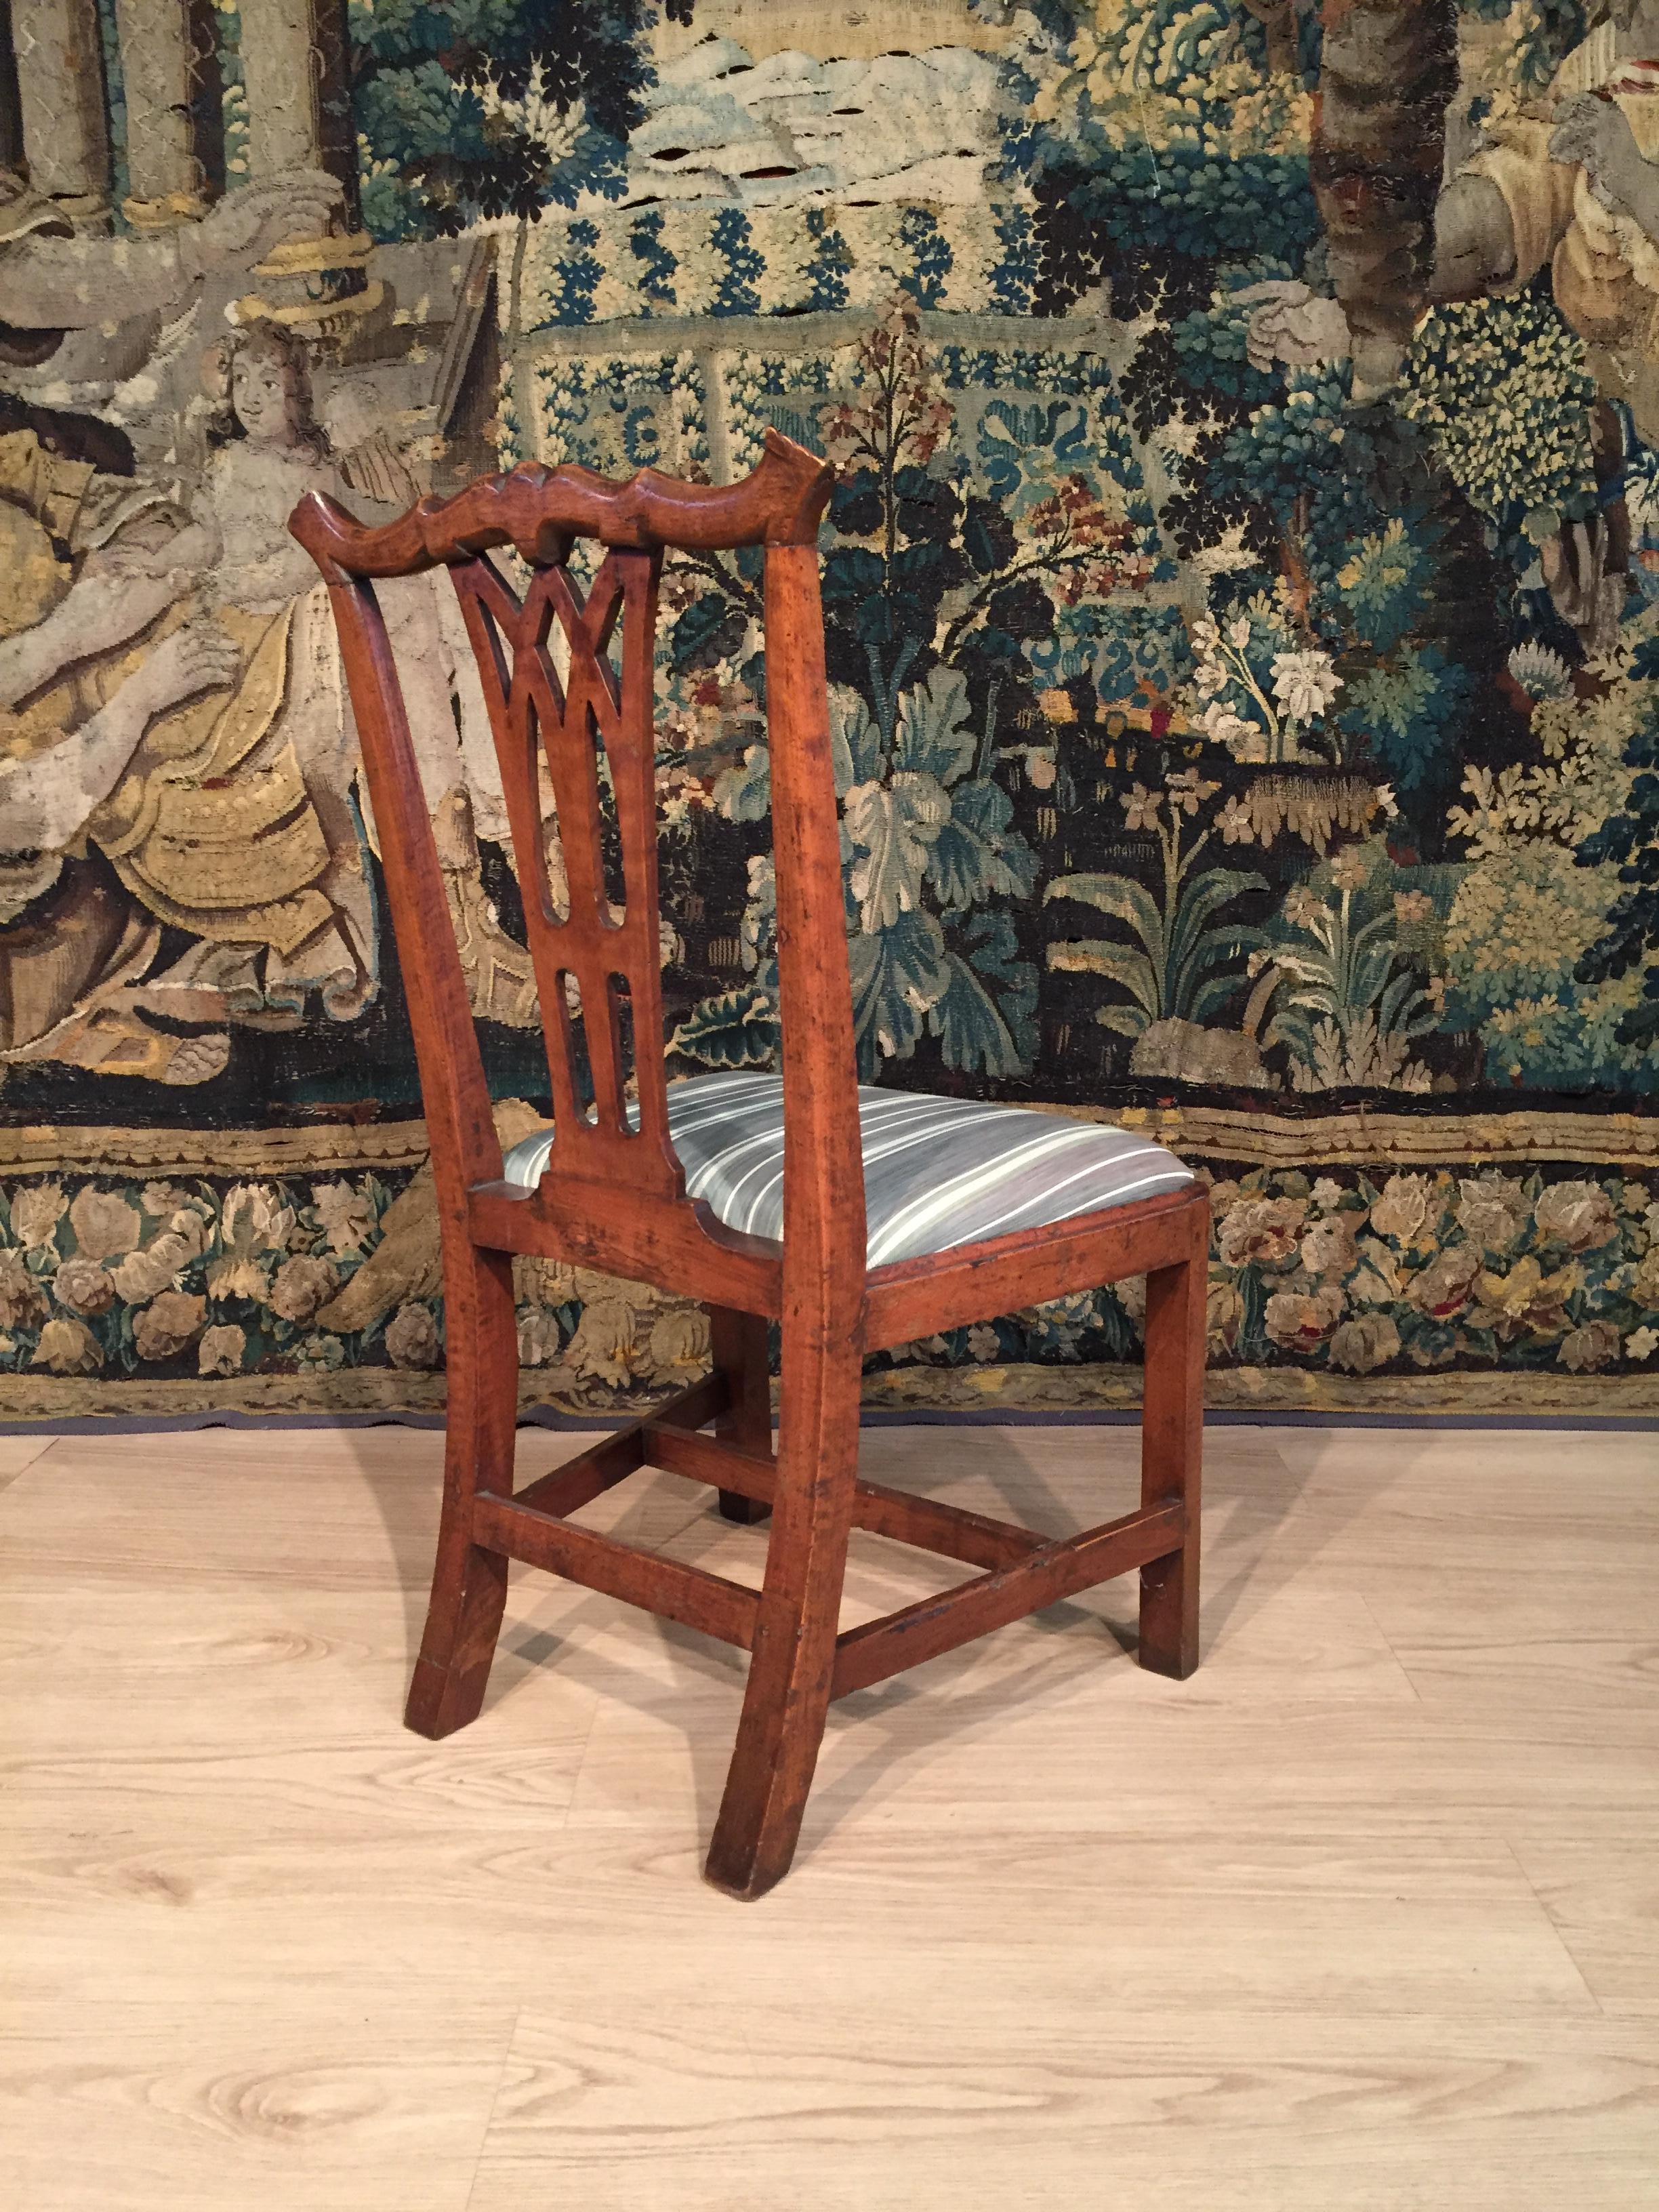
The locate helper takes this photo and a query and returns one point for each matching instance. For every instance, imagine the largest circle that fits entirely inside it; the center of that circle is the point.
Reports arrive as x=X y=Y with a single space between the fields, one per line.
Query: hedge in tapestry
x=1243 y=632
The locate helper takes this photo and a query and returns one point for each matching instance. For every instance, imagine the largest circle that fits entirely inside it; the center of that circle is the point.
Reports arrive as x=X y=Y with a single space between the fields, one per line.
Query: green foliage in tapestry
x=469 y=108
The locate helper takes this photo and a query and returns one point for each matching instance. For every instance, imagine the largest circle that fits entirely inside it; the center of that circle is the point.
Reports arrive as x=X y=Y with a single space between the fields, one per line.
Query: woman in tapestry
x=235 y=820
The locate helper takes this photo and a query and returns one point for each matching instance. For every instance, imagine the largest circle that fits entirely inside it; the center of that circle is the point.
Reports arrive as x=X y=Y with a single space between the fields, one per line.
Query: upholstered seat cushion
x=938 y=1172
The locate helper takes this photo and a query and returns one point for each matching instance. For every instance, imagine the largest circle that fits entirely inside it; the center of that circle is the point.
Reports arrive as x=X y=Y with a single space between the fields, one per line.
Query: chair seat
x=939 y=1173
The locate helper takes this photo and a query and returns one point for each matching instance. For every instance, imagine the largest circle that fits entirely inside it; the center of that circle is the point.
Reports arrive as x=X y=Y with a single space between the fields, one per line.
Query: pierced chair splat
x=855 y=1218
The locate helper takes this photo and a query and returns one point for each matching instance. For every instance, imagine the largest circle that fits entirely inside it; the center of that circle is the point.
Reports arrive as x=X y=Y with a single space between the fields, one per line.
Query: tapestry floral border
x=1420 y=1264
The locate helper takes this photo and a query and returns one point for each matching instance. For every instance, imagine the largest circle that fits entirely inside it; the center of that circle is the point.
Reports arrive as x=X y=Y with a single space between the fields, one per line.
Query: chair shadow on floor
x=1253 y=1495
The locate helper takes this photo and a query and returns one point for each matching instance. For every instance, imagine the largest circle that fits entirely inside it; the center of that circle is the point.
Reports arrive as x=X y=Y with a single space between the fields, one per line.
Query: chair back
x=567 y=680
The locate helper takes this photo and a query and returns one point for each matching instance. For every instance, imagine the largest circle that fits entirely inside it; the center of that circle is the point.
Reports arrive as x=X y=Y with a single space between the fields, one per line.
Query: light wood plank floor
x=1366 y=1915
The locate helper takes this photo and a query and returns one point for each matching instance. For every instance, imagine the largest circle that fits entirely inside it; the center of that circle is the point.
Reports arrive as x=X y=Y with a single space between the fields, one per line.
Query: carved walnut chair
x=858 y=1218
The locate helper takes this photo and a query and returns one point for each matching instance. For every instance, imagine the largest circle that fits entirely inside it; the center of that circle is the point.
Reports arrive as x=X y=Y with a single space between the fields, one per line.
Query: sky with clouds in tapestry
x=1242 y=586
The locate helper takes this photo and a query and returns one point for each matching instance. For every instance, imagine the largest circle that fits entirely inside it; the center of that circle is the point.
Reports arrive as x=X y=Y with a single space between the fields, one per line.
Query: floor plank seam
x=42 y=1451
x=495 y=2106
x=1374 y=1619
x=1557 y=1931
x=582 y=1765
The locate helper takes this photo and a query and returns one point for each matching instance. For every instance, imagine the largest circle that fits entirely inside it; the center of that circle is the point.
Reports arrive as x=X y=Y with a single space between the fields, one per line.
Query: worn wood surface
x=1363 y=1915
x=613 y=1193
x=1171 y=1449
x=710 y=1602
x=742 y=1361
x=917 y=1297
x=885 y=1646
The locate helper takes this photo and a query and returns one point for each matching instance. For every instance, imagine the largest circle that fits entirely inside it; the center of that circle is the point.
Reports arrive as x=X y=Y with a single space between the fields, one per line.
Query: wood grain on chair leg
x=739 y=1345
x=469 y=1584
x=793 y=1661
x=1170 y=1452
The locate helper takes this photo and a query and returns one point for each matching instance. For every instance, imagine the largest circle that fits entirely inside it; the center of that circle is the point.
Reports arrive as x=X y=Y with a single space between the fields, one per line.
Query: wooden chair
x=1080 y=1206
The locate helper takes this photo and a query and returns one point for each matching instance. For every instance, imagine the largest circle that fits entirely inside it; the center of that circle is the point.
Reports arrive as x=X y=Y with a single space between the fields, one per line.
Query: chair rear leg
x=791 y=1668
x=1170 y=1456
x=739 y=1347
x=469 y=1584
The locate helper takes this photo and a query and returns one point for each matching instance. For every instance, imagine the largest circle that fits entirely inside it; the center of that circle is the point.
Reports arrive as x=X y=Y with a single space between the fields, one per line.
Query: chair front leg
x=469 y=1584
x=792 y=1663
x=1172 y=1443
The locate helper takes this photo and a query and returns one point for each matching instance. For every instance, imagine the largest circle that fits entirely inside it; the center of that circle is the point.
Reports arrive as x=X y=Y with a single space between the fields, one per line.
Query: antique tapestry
x=1241 y=588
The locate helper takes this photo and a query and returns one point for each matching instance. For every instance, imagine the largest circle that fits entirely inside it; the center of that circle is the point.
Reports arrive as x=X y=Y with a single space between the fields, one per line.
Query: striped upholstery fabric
x=938 y=1172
